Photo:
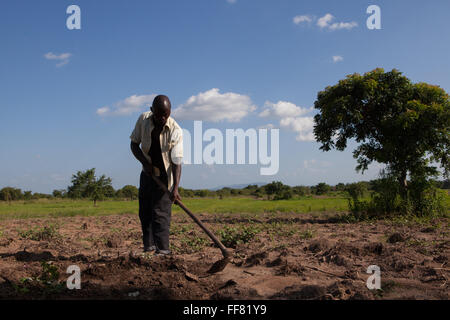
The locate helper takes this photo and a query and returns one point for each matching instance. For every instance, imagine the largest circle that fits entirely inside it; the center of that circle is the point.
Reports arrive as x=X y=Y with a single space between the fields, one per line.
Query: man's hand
x=174 y=195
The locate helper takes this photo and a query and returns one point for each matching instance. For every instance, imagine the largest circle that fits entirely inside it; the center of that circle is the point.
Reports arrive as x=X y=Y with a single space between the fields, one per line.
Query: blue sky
x=55 y=82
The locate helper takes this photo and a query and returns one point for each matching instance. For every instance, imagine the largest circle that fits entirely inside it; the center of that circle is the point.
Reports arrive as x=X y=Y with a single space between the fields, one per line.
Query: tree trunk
x=403 y=185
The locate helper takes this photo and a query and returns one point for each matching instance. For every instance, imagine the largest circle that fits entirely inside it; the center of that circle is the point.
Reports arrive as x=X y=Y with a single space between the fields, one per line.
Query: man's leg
x=161 y=214
x=145 y=210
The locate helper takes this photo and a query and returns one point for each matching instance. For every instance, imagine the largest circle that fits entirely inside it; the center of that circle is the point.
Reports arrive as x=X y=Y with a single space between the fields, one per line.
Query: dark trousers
x=155 y=208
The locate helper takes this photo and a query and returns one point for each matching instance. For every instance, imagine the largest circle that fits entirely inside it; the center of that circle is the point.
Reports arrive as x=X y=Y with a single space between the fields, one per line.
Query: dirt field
x=289 y=257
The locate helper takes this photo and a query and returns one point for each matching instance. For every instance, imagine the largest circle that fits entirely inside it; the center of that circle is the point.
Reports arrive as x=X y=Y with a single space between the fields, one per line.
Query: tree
x=356 y=190
x=395 y=122
x=130 y=192
x=278 y=189
x=27 y=195
x=59 y=193
x=86 y=185
x=9 y=194
x=322 y=188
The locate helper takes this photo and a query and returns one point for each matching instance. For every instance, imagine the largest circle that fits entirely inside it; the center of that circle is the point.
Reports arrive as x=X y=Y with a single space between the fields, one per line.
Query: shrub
x=45 y=233
x=231 y=236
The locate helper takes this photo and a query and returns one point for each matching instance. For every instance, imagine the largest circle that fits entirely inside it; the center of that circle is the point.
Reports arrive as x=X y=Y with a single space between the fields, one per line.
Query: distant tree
x=185 y=193
x=201 y=193
x=86 y=185
x=27 y=195
x=322 y=188
x=300 y=190
x=278 y=190
x=10 y=194
x=340 y=187
x=397 y=123
x=234 y=191
x=258 y=192
x=285 y=194
x=59 y=193
x=130 y=192
x=273 y=188
x=37 y=196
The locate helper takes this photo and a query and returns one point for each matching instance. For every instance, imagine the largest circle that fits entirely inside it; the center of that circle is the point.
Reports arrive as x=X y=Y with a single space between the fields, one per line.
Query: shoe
x=149 y=249
x=163 y=252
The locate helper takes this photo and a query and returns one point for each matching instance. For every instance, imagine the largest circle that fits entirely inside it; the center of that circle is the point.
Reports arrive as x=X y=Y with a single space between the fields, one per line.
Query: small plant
x=47 y=282
x=46 y=233
x=194 y=244
x=181 y=229
x=307 y=234
x=49 y=273
x=232 y=236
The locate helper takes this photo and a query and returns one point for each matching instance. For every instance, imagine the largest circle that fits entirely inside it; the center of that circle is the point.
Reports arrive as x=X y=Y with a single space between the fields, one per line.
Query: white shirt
x=171 y=140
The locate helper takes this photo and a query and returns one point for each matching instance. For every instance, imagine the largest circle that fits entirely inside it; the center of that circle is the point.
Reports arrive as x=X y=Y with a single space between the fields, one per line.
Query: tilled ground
x=290 y=257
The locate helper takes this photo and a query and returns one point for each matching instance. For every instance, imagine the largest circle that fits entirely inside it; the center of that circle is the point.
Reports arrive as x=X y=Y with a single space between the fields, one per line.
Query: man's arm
x=137 y=152
x=176 y=173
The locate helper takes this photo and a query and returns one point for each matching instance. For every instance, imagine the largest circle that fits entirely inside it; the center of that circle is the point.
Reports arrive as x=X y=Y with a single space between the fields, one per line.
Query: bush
x=424 y=199
x=284 y=195
x=322 y=188
x=231 y=237
x=46 y=233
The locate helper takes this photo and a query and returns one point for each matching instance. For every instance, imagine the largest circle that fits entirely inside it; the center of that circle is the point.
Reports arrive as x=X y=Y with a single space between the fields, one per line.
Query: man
x=161 y=152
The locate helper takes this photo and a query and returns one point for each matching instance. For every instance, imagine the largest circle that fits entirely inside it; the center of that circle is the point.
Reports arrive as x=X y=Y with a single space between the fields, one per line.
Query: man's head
x=161 y=110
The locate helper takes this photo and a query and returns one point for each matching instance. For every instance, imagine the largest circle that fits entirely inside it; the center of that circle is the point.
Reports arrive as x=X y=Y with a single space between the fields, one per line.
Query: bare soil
x=320 y=260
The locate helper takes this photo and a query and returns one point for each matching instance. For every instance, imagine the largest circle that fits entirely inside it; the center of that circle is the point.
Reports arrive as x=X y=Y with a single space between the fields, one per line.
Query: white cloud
x=343 y=25
x=282 y=109
x=214 y=106
x=337 y=58
x=325 y=22
x=132 y=104
x=303 y=126
x=291 y=119
x=63 y=58
x=300 y=19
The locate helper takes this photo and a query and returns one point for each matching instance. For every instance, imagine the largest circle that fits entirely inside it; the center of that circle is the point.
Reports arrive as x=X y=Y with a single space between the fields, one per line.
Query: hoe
x=222 y=263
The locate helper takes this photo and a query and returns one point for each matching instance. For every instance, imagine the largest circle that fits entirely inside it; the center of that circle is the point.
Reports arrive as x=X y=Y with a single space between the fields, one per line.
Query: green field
x=68 y=208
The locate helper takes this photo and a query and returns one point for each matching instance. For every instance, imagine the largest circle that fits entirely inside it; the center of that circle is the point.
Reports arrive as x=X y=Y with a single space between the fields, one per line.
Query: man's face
x=160 y=115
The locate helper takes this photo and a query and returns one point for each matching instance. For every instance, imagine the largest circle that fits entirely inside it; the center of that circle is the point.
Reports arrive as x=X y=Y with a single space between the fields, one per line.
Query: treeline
x=85 y=185
x=276 y=190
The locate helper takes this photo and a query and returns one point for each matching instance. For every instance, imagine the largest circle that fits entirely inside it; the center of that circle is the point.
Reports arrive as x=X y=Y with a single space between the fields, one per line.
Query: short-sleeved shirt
x=171 y=142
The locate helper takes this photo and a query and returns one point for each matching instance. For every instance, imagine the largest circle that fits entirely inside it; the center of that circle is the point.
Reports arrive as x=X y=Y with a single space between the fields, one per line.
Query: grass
x=44 y=208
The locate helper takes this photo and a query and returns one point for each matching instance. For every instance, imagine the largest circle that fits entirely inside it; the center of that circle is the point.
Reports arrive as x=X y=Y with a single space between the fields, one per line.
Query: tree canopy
x=86 y=185
x=396 y=122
